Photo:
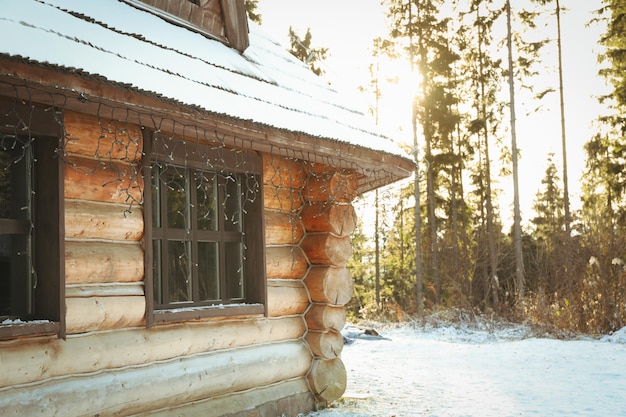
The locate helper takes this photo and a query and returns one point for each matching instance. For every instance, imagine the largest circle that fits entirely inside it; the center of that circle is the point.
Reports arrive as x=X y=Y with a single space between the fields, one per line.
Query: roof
x=112 y=39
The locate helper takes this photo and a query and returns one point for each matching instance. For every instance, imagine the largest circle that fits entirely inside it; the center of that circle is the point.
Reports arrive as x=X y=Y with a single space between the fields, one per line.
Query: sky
x=347 y=28
x=482 y=369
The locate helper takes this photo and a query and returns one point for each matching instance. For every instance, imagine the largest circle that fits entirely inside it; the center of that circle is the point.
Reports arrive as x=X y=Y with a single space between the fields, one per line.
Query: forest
x=440 y=240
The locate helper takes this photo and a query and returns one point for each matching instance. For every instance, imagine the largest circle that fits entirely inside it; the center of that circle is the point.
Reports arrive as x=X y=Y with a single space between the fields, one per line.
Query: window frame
x=48 y=253
x=159 y=148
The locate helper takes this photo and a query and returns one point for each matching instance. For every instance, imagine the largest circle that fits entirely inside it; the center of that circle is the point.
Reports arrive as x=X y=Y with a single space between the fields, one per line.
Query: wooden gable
x=224 y=20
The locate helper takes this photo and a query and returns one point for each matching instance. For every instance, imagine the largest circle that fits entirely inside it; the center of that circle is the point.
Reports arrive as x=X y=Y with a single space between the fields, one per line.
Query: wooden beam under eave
x=79 y=93
x=236 y=23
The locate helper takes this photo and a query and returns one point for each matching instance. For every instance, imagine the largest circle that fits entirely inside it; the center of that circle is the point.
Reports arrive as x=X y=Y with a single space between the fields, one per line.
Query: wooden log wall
x=40 y=360
x=136 y=389
x=328 y=219
x=103 y=230
x=286 y=264
x=110 y=364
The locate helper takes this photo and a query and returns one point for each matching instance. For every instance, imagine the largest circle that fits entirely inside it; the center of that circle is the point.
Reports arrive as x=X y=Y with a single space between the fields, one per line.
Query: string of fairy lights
x=118 y=149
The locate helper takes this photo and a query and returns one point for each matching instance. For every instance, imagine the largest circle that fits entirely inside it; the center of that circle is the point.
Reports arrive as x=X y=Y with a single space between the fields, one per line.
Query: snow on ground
x=478 y=370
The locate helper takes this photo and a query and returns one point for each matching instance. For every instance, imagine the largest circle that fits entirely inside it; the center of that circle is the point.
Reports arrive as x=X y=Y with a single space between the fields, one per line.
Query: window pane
x=234 y=270
x=14 y=175
x=208 y=271
x=16 y=294
x=5 y=276
x=179 y=271
x=5 y=182
x=15 y=270
x=177 y=197
x=206 y=200
x=156 y=196
x=232 y=204
x=157 y=272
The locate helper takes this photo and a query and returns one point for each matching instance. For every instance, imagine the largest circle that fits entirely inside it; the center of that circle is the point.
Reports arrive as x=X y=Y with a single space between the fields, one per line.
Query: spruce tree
x=302 y=49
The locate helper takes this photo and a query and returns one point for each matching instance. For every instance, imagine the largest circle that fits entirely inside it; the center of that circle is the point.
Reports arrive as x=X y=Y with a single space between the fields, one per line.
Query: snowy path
x=460 y=372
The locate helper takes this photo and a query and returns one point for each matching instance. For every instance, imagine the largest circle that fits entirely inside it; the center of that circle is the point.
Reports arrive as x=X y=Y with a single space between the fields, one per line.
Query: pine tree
x=549 y=223
x=614 y=41
x=421 y=24
x=301 y=48
x=517 y=219
x=251 y=9
x=360 y=266
x=485 y=83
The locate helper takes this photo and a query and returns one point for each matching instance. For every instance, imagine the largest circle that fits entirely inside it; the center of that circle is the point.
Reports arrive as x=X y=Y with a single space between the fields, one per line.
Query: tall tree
x=614 y=42
x=517 y=218
x=566 y=204
x=485 y=70
x=251 y=9
x=361 y=272
x=548 y=206
x=420 y=26
x=558 y=10
x=548 y=227
x=399 y=260
x=604 y=182
x=302 y=49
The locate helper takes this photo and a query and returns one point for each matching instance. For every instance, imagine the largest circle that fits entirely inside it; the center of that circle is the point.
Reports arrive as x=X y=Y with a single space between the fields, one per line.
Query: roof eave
x=86 y=93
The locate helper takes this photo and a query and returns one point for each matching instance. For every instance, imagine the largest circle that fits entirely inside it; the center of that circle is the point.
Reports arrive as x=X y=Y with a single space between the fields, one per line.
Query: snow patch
x=480 y=367
x=8 y=322
x=616 y=337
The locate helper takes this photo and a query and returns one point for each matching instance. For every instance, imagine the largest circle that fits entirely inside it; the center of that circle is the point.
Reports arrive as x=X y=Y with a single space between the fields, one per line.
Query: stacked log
x=328 y=219
x=152 y=386
x=103 y=224
x=24 y=361
x=285 y=262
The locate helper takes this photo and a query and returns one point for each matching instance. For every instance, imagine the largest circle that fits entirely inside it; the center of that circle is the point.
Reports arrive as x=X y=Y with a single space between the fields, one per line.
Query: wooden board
x=338 y=219
x=323 y=317
x=328 y=378
x=281 y=172
x=31 y=360
x=335 y=186
x=282 y=199
x=282 y=228
x=327 y=249
x=326 y=344
x=286 y=297
x=87 y=220
x=103 y=138
x=131 y=390
x=103 y=262
x=285 y=262
x=104 y=313
x=329 y=285
x=279 y=398
x=108 y=182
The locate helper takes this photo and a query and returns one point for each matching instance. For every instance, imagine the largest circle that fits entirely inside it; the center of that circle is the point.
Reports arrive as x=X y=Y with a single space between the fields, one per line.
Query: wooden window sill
x=34 y=328
x=199 y=313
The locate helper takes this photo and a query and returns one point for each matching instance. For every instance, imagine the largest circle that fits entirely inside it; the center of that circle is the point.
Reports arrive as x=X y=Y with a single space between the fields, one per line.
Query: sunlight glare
x=398 y=87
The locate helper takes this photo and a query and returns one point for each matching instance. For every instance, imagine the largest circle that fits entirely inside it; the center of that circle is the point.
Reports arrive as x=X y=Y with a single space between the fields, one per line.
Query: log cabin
x=175 y=213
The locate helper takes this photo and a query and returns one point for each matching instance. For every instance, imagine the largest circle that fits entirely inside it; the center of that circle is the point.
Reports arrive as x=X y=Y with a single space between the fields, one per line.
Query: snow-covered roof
x=114 y=40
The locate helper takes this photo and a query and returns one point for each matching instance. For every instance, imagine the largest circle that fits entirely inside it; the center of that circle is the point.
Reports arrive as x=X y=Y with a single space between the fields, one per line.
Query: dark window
x=31 y=223
x=16 y=213
x=205 y=217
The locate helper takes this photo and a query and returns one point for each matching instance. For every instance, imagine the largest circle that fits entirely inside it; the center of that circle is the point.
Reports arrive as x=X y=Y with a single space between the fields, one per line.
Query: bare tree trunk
x=377 y=259
x=491 y=239
x=517 y=228
x=568 y=219
x=418 y=220
x=432 y=222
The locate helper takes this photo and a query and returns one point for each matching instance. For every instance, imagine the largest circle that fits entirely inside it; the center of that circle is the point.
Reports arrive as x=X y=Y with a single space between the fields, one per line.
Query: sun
x=398 y=84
